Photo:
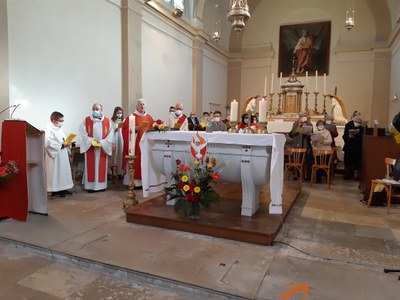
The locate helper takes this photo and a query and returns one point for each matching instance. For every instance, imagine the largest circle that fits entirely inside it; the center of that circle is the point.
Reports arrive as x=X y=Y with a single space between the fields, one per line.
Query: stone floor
x=84 y=249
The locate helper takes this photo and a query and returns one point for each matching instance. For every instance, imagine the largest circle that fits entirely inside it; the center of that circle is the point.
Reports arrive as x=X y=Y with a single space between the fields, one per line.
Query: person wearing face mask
x=143 y=122
x=193 y=122
x=334 y=133
x=244 y=123
x=178 y=119
x=322 y=139
x=97 y=139
x=118 y=142
x=57 y=165
x=352 y=136
x=216 y=123
x=300 y=134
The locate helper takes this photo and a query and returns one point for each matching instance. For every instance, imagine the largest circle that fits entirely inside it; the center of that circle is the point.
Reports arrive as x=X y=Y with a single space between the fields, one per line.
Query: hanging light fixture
x=349 y=23
x=238 y=14
x=216 y=29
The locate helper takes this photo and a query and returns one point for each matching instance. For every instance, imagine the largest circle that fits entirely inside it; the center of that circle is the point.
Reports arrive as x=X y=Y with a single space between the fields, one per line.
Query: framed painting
x=304 y=47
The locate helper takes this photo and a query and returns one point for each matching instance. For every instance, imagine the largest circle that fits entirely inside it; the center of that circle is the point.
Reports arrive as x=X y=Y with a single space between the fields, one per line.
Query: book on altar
x=96 y=144
x=144 y=124
x=70 y=138
x=304 y=129
x=317 y=137
x=120 y=124
x=203 y=124
x=177 y=126
x=353 y=132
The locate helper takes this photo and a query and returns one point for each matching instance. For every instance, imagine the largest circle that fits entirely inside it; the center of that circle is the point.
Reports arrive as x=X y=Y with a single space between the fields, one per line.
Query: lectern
x=26 y=191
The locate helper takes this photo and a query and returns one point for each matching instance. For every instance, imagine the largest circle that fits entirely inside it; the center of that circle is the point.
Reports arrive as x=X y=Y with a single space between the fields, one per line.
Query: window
x=179 y=4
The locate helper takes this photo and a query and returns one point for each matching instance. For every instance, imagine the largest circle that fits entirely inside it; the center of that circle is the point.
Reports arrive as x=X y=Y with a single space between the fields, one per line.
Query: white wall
x=166 y=67
x=64 y=55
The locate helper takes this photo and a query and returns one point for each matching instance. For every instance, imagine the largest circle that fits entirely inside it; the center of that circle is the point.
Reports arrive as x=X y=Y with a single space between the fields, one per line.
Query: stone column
x=197 y=81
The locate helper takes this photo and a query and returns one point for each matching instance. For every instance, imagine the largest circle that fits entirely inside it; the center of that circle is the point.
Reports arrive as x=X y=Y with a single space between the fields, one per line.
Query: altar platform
x=223 y=219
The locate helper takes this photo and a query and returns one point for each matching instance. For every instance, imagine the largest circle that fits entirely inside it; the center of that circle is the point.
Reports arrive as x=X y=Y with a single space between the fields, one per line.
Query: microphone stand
x=9 y=107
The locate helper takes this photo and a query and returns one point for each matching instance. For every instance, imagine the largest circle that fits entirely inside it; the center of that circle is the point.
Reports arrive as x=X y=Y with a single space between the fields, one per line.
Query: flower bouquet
x=193 y=187
x=160 y=126
x=8 y=169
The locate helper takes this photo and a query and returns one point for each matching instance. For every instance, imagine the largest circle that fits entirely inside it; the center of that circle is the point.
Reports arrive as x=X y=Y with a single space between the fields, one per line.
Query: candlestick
x=324 y=83
x=315 y=104
x=306 y=81
x=234 y=110
x=324 y=112
x=306 y=107
x=263 y=111
x=265 y=86
x=132 y=135
x=279 y=111
x=131 y=196
x=271 y=95
x=272 y=83
x=316 y=81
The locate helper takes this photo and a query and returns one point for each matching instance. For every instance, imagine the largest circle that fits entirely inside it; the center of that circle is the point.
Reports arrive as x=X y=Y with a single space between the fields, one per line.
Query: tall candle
x=272 y=83
x=265 y=86
x=234 y=110
x=263 y=110
x=306 y=81
x=280 y=81
x=324 y=83
x=316 y=81
x=132 y=135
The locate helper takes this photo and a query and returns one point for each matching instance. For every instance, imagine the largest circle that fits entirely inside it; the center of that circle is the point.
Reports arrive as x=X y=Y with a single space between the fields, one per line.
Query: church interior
x=66 y=55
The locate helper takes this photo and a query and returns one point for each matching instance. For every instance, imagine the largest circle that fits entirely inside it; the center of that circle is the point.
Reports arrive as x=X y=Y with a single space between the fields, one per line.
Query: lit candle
x=316 y=81
x=263 y=110
x=234 y=110
x=324 y=83
x=306 y=81
x=265 y=86
x=132 y=135
x=272 y=83
x=280 y=81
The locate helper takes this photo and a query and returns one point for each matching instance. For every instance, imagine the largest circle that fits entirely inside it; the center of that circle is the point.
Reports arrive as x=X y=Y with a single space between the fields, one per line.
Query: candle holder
x=306 y=107
x=248 y=129
x=263 y=128
x=233 y=128
x=315 y=103
x=278 y=111
x=271 y=95
x=324 y=108
x=131 y=196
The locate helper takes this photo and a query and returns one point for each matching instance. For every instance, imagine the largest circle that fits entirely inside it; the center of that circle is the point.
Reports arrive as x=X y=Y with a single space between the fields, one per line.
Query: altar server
x=178 y=119
x=58 y=169
x=117 y=120
x=96 y=142
x=143 y=122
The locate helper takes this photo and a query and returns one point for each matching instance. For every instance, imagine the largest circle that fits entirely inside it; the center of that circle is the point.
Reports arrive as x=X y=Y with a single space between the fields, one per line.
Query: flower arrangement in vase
x=160 y=126
x=8 y=169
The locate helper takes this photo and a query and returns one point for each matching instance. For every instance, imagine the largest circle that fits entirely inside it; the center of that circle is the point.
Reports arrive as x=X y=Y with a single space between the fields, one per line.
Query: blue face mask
x=96 y=114
x=246 y=121
x=119 y=116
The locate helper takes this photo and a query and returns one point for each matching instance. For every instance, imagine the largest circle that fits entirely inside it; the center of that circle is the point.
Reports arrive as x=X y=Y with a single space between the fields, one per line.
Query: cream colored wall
x=4 y=91
x=355 y=69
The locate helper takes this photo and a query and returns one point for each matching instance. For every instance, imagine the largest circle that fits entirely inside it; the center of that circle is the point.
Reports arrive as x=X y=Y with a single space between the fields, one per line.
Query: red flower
x=207 y=160
x=180 y=185
x=3 y=171
x=182 y=167
x=215 y=176
x=178 y=162
x=159 y=122
x=188 y=197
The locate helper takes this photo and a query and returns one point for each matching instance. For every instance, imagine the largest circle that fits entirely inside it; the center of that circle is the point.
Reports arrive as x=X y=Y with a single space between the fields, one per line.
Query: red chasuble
x=125 y=134
x=90 y=159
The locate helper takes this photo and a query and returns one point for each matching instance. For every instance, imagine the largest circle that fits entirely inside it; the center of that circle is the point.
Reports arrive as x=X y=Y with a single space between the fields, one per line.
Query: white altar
x=252 y=159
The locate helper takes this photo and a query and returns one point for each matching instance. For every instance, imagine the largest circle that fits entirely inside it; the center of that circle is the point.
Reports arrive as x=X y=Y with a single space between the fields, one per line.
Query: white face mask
x=321 y=127
x=303 y=119
x=328 y=122
x=178 y=112
x=119 y=116
x=217 y=119
x=60 y=124
x=356 y=124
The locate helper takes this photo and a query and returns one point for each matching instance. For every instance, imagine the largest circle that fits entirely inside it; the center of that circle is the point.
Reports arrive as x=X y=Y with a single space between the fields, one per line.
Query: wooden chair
x=296 y=158
x=391 y=187
x=113 y=166
x=323 y=160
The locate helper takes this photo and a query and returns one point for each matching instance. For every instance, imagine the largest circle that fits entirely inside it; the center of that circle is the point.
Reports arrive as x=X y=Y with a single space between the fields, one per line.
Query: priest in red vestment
x=143 y=122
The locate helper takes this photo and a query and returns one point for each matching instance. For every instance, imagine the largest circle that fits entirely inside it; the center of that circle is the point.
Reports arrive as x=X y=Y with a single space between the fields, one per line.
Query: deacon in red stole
x=177 y=119
x=96 y=142
x=143 y=122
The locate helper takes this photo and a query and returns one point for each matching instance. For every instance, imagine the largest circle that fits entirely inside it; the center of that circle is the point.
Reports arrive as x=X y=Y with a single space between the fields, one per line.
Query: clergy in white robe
x=96 y=142
x=118 y=142
x=57 y=164
x=177 y=119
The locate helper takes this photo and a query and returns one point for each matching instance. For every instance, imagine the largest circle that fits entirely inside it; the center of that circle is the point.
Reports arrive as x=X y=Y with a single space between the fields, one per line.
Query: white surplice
x=106 y=146
x=58 y=169
x=118 y=144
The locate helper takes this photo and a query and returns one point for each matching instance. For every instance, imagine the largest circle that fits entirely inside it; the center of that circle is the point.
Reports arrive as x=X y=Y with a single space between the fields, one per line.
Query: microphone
x=15 y=106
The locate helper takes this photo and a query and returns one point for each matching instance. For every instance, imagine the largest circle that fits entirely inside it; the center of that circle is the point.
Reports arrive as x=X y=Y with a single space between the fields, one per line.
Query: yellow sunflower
x=185 y=178
x=197 y=189
x=186 y=188
x=210 y=165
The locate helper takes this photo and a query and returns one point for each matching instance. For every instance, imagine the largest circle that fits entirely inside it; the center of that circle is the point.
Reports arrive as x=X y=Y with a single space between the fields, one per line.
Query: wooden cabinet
x=374 y=151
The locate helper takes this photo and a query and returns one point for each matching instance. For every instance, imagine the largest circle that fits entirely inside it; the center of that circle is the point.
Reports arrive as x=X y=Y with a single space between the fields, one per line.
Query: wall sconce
x=395 y=98
x=177 y=13
x=349 y=22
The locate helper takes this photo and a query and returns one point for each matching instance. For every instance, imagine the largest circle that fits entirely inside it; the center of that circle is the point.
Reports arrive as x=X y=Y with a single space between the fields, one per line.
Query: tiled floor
x=84 y=249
